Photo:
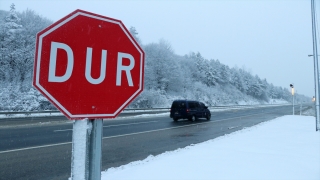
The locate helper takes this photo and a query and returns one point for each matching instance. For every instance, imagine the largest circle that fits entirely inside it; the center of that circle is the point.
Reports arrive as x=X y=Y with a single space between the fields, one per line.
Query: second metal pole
x=316 y=67
x=293 y=104
x=95 y=149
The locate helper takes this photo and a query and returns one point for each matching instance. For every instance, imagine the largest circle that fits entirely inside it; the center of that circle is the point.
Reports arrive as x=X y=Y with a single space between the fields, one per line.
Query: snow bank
x=284 y=148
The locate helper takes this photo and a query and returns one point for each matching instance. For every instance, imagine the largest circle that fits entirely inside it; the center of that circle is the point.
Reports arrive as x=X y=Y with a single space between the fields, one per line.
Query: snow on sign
x=88 y=65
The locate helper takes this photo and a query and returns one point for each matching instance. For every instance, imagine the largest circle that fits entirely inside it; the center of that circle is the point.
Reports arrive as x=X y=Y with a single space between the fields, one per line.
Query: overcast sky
x=270 y=38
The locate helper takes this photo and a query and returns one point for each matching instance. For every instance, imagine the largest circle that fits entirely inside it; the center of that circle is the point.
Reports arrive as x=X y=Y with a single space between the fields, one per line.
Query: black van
x=192 y=110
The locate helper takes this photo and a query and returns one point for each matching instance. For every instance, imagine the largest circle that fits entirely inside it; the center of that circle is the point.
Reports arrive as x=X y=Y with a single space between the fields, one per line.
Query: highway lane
x=56 y=133
x=124 y=141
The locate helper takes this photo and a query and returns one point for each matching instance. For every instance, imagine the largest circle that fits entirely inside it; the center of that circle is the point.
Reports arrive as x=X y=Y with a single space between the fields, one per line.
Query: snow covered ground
x=284 y=148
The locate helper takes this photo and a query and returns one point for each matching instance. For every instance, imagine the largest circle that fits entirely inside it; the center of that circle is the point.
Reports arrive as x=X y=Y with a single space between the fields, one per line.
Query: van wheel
x=208 y=117
x=175 y=119
x=193 y=118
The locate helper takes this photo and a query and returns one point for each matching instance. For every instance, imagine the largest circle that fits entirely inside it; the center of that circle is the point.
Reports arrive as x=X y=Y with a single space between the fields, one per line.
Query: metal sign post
x=293 y=105
x=86 y=149
x=316 y=67
x=95 y=149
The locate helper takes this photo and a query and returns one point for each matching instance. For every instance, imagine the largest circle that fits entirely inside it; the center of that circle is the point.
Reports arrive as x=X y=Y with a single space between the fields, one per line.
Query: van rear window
x=178 y=104
x=192 y=105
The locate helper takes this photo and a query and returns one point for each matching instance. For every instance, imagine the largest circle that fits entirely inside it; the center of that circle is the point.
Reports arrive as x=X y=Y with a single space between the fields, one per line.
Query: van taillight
x=188 y=110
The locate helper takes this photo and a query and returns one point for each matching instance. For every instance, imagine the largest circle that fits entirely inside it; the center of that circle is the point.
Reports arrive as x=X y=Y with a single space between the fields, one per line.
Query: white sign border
x=73 y=116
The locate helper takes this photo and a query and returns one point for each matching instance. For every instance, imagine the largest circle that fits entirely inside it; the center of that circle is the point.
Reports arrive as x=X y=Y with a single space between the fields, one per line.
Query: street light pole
x=315 y=60
x=292 y=92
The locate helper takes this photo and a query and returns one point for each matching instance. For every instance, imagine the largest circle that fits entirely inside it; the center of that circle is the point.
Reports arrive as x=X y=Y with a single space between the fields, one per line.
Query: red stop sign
x=88 y=65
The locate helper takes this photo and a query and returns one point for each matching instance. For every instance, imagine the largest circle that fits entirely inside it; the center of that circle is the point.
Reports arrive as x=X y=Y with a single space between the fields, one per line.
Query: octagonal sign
x=88 y=65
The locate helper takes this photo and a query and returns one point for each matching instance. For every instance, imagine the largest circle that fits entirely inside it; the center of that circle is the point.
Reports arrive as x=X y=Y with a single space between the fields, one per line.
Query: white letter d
x=53 y=62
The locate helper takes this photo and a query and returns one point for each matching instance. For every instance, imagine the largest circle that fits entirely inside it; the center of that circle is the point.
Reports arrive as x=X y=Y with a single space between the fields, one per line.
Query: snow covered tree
x=236 y=79
x=10 y=42
x=32 y=23
x=161 y=67
x=134 y=33
x=206 y=71
x=17 y=45
x=223 y=73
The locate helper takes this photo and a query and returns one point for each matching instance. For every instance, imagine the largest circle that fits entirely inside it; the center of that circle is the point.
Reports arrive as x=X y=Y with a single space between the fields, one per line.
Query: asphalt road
x=43 y=150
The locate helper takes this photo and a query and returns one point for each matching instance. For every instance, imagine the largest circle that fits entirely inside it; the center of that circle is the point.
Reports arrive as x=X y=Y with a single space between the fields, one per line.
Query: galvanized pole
x=292 y=104
x=95 y=149
x=292 y=92
x=86 y=149
x=315 y=60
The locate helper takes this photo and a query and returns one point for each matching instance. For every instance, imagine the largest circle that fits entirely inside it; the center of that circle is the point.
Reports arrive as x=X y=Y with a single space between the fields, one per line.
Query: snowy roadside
x=284 y=148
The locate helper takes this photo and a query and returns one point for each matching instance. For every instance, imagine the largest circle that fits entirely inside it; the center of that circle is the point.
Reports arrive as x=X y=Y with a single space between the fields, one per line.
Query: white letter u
x=102 y=68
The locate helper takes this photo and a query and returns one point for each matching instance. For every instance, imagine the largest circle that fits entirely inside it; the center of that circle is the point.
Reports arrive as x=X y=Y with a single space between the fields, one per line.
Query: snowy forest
x=168 y=76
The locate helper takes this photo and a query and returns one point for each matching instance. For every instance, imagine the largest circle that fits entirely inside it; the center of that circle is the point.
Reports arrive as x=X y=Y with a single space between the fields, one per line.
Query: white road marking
x=112 y=125
x=130 y=124
x=62 y=130
x=35 y=147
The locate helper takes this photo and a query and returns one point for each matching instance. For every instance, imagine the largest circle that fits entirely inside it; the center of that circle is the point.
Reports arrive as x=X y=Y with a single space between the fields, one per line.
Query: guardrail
x=147 y=109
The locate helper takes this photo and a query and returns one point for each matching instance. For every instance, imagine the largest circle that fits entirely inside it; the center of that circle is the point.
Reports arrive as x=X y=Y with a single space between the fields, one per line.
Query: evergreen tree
x=135 y=33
